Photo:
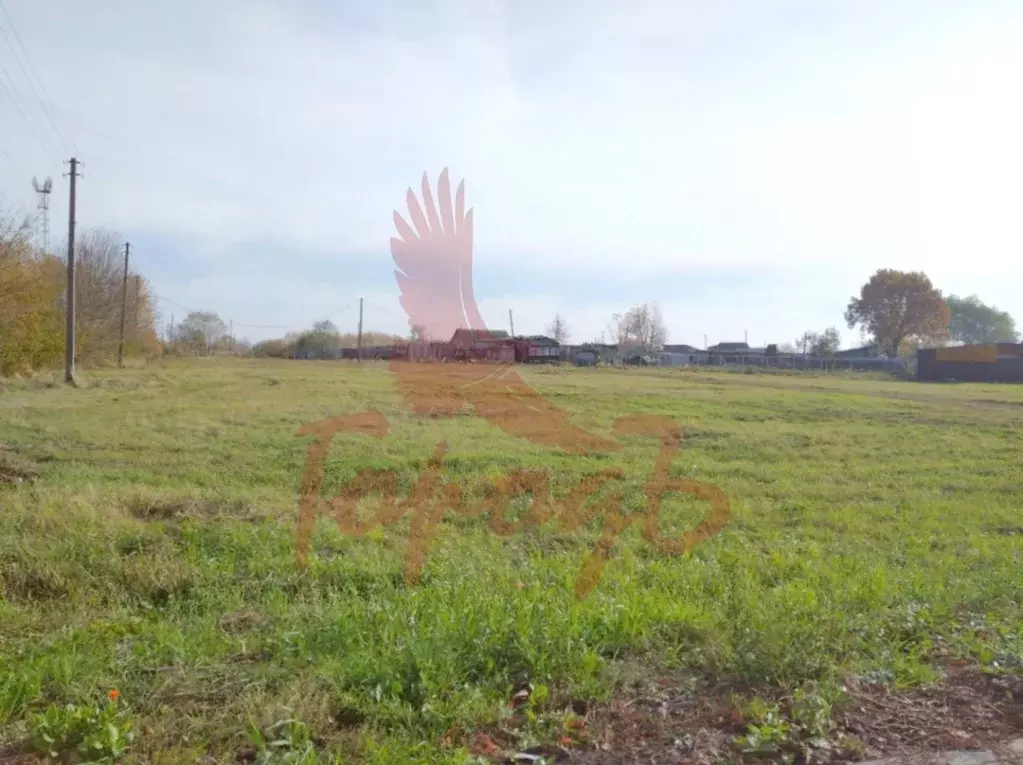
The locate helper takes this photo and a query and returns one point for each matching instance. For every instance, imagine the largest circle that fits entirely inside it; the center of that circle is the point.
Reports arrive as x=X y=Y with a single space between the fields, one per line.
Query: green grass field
x=875 y=532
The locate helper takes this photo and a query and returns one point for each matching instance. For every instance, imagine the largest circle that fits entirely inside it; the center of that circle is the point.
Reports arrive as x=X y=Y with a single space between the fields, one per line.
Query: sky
x=745 y=165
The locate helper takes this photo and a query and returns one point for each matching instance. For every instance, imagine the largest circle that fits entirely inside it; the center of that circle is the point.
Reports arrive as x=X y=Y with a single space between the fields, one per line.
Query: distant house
x=465 y=337
x=537 y=349
x=733 y=353
x=482 y=345
x=681 y=354
x=729 y=348
x=863 y=352
x=584 y=358
x=590 y=354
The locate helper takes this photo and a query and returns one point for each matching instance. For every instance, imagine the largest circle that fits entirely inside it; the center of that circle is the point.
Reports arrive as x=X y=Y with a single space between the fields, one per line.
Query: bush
x=32 y=304
x=30 y=316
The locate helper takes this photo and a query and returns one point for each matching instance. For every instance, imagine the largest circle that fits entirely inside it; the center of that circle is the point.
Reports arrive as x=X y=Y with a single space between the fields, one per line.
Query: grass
x=148 y=525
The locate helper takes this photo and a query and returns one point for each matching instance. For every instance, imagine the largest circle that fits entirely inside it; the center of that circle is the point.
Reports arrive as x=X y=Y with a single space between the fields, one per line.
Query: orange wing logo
x=434 y=260
x=433 y=254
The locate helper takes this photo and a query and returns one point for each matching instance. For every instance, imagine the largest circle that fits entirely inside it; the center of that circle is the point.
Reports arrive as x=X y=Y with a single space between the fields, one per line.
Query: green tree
x=899 y=306
x=827 y=342
x=971 y=321
x=275 y=348
x=201 y=332
x=323 y=341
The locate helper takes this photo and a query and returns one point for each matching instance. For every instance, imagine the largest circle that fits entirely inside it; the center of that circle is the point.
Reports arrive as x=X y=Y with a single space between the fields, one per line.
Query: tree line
x=903 y=310
x=33 y=302
x=897 y=311
x=324 y=340
x=204 y=333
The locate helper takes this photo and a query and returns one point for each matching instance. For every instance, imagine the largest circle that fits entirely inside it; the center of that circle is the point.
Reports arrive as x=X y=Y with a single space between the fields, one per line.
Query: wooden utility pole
x=511 y=322
x=230 y=340
x=69 y=332
x=360 y=330
x=124 y=303
x=138 y=301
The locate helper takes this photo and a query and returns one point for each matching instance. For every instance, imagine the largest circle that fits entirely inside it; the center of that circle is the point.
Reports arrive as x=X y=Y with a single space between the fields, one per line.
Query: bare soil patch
x=15 y=469
x=966 y=710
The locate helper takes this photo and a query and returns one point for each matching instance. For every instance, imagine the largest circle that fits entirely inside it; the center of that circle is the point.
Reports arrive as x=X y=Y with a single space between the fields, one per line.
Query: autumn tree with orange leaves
x=899 y=306
x=32 y=302
x=30 y=318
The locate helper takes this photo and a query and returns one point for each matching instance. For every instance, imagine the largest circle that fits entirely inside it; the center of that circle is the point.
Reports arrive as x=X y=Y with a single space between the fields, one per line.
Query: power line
x=176 y=305
x=335 y=312
x=389 y=310
x=128 y=143
x=263 y=326
x=29 y=120
x=295 y=326
x=44 y=102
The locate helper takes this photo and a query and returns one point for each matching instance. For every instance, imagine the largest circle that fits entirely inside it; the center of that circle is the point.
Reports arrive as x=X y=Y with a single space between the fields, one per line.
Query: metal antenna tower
x=44 y=211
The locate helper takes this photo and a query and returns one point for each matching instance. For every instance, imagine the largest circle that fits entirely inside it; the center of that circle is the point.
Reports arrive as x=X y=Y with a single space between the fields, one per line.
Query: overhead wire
x=389 y=312
x=390 y=309
x=293 y=326
x=65 y=139
x=47 y=105
x=15 y=96
x=176 y=305
x=261 y=326
x=135 y=152
x=335 y=312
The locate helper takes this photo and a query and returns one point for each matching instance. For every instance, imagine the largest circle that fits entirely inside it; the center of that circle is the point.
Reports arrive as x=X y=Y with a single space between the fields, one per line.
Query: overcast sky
x=747 y=165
